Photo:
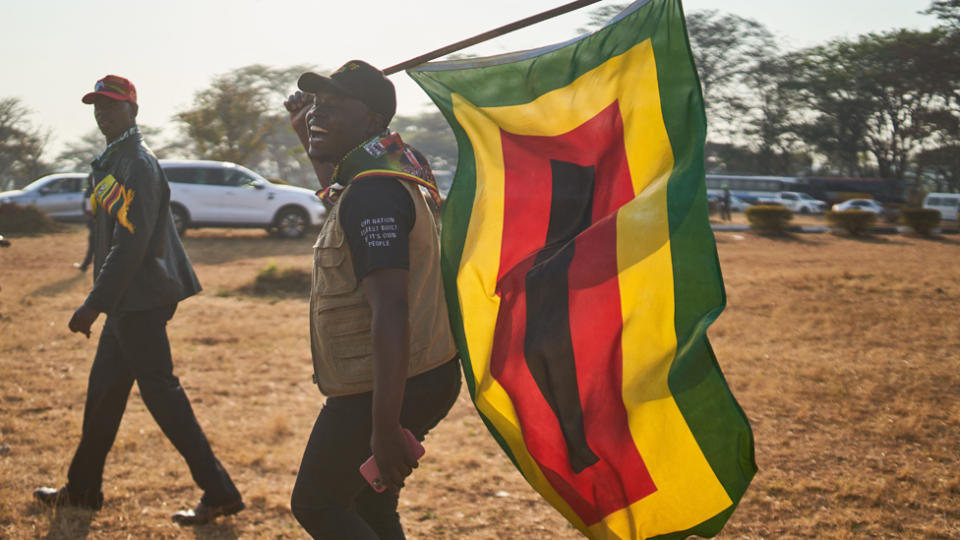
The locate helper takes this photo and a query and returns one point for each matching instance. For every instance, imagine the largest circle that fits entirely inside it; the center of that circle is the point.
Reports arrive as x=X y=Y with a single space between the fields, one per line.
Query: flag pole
x=496 y=32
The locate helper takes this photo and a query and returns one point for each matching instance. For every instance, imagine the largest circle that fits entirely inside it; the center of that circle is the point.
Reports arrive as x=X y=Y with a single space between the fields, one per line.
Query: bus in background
x=828 y=189
x=836 y=190
x=750 y=188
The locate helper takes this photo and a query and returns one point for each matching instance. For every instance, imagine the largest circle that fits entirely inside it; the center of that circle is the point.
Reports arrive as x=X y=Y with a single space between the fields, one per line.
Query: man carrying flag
x=382 y=349
x=581 y=275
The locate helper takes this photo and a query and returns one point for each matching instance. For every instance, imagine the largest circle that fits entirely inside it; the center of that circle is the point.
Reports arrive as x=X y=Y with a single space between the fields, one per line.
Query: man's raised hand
x=297 y=104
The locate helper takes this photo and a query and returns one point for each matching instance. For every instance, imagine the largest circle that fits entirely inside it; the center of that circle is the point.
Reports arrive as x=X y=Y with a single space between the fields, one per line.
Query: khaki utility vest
x=340 y=316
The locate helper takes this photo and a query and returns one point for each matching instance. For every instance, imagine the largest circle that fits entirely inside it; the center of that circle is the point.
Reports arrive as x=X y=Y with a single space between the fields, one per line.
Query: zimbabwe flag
x=581 y=276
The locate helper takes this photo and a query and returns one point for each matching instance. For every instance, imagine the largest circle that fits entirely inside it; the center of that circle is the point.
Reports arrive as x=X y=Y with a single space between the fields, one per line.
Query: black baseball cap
x=359 y=80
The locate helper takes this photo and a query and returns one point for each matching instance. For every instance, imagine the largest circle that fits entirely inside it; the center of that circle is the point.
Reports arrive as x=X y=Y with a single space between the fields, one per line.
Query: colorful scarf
x=384 y=155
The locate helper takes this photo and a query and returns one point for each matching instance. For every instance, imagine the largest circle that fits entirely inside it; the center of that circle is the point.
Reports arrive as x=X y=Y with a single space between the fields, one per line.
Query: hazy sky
x=54 y=50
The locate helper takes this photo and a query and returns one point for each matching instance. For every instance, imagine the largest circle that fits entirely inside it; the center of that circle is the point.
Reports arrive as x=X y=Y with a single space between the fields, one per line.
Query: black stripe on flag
x=548 y=347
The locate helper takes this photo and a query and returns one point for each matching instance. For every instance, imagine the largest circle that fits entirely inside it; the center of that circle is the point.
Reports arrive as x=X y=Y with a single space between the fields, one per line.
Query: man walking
x=141 y=272
x=725 y=203
x=383 y=352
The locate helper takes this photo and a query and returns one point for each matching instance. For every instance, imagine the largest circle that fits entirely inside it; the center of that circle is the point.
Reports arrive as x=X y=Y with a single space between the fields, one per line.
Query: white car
x=800 y=203
x=60 y=196
x=223 y=194
x=736 y=203
x=947 y=204
x=869 y=205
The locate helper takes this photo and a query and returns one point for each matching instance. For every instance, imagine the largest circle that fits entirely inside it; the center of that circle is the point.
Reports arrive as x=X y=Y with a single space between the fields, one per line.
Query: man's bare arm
x=386 y=290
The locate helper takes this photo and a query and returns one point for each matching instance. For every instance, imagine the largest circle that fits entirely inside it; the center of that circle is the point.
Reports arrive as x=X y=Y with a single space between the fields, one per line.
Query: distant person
x=88 y=216
x=725 y=203
x=140 y=274
x=383 y=352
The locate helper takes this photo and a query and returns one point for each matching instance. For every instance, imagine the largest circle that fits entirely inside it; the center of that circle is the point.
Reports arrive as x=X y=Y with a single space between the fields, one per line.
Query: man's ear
x=134 y=109
x=376 y=123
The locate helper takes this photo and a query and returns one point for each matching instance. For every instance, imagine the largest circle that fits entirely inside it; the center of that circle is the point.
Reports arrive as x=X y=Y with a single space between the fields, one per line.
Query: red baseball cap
x=113 y=87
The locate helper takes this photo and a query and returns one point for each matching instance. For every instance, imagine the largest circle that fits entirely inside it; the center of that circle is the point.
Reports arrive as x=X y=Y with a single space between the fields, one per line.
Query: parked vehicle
x=836 y=190
x=830 y=189
x=60 y=196
x=800 y=203
x=223 y=194
x=749 y=188
x=736 y=203
x=946 y=203
x=869 y=205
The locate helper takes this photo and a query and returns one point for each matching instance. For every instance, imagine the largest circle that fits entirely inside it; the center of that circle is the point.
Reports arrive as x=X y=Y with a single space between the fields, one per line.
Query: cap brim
x=315 y=83
x=92 y=96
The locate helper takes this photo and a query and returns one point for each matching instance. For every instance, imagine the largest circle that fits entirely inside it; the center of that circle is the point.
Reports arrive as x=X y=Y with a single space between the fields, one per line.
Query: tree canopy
x=883 y=104
x=21 y=145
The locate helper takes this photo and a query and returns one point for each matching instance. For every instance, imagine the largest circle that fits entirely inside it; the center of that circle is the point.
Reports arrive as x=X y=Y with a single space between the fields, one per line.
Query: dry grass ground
x=844 y=353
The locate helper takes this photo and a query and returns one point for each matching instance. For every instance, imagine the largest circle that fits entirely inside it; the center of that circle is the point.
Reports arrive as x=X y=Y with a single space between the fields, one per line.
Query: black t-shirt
x=377 y=216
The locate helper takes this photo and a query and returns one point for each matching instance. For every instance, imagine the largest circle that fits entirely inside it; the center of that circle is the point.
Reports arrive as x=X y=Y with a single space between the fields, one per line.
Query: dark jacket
x=139 y=262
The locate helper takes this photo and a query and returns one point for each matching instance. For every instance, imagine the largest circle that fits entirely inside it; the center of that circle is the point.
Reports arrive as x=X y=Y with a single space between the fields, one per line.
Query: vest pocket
x=333 y=275
x=345 y=332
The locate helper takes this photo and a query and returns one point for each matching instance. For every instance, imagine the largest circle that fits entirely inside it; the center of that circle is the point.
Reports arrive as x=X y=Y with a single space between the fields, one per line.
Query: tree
x=727 y=48
x=947 y=11
x=877 y=101
x=911 y=81
x=240 y=118
x=78 y=154
x=21 y=145
x=941 y=167
x=837 y=99
x=599 y=16
x=429 y=133
x=767 y=140
x=736 y=159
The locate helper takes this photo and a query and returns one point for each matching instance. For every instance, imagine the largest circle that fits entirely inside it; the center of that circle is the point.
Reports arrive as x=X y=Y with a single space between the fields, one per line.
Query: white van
x=946 y=203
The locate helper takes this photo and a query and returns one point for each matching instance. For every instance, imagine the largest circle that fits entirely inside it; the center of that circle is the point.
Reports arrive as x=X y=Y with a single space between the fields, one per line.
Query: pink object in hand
x=371 y=472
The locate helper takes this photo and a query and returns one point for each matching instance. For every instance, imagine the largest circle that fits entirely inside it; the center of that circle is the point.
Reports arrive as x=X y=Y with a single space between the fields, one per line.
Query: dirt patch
x=843 y=353
x=287 y=282
x=26 y=220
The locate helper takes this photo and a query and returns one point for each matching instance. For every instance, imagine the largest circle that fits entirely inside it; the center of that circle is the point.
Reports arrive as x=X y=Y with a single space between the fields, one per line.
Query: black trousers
x=331 y=500
x=134 y=347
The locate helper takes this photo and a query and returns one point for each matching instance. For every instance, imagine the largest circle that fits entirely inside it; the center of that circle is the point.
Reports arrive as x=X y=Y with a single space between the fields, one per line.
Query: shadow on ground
x=786 y=237
x=216 y=531
x=873 y=239
x=219 y=249
x=59 y=287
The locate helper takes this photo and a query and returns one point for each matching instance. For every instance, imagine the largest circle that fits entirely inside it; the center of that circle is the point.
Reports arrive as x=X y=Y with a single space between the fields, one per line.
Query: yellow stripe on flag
x=687 y=489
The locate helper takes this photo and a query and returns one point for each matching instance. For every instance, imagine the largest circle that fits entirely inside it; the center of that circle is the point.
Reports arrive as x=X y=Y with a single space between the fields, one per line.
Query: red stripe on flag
x=596 y=324
x=620 y=477
x=598 y=142
x=526 y=205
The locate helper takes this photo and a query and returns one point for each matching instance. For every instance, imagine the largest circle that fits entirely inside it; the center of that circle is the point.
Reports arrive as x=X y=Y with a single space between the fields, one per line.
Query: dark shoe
x=63 y=497
x=204 y=514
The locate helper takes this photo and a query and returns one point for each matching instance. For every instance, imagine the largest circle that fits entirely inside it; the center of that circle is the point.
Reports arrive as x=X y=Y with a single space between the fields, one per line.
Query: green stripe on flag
x=696 y=381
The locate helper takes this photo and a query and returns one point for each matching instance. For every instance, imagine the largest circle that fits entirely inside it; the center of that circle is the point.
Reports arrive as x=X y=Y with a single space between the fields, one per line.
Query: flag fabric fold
x=581 y=275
